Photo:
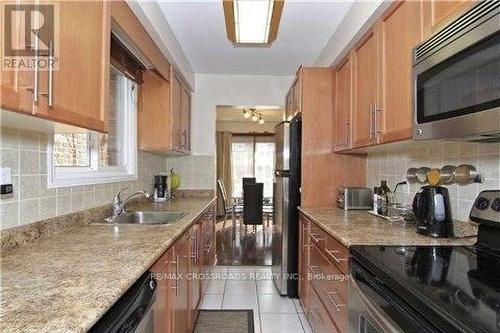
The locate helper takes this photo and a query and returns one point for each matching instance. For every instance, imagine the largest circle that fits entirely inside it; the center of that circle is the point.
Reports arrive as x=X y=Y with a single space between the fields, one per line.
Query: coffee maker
x=432 y=209
x=161 y=190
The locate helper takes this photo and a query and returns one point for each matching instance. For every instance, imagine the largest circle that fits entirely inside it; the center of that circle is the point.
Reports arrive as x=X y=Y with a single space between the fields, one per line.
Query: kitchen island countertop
x=361 y=228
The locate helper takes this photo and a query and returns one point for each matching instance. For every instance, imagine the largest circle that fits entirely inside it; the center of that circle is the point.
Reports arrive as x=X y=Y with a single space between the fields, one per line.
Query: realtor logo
x=29 y=38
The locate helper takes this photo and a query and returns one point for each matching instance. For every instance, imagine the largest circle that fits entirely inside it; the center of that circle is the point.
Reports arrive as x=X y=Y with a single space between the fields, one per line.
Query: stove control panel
x=486 y=208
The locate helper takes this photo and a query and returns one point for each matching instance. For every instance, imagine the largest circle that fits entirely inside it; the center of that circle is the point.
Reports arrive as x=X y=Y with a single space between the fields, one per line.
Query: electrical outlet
x=5 y=176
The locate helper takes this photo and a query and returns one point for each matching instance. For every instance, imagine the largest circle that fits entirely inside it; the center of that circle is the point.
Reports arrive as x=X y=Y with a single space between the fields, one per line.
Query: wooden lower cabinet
x=323 y=273
x=181 y=308
x=179 y=273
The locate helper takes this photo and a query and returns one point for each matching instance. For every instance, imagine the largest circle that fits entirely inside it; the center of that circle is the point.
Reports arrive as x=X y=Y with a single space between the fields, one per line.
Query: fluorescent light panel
x=252 y=20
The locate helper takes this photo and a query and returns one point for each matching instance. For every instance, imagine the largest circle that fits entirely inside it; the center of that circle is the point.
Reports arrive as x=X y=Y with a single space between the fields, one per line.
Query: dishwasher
x=133 y=312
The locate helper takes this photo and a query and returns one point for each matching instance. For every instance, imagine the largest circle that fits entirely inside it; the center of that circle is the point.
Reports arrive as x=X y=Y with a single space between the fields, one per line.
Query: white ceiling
x=305 y=29
x=235 y=113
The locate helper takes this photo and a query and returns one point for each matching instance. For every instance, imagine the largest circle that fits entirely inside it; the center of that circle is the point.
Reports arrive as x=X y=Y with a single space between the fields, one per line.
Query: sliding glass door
x=253 y=156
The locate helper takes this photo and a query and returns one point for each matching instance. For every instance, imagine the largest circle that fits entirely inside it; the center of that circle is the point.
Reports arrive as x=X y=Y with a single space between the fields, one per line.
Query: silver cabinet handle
x=347 y=132
x=335 y=304
x=51 y=73
x=315 y=238
x=194 y=247
x=332 y=254
x=176 y=263
x=371 y=121
x=36 y=84
x=376 y=111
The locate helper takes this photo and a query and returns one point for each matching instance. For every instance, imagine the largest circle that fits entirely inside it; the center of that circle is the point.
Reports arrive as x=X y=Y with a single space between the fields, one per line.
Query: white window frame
x=94 y=174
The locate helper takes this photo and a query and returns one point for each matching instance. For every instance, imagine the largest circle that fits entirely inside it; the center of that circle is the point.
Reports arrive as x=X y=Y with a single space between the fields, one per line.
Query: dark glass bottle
x=385 y=190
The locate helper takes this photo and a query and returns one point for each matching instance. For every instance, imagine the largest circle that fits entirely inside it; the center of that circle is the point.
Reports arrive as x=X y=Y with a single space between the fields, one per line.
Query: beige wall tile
x=9 y=215
x=9 y=158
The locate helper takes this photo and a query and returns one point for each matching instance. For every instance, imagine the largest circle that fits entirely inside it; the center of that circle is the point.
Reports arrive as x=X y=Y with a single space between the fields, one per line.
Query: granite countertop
x=66 y=282
x=360 y=228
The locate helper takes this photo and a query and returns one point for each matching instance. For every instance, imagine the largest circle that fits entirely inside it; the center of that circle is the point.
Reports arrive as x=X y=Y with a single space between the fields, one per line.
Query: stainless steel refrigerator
x=286 y=199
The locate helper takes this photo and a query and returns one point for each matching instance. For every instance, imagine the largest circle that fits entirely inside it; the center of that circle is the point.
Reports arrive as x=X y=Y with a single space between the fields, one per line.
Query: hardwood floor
x=251 y=246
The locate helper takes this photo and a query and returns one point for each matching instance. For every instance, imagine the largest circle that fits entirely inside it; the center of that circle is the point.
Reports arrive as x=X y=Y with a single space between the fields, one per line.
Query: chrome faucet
x=119 y=204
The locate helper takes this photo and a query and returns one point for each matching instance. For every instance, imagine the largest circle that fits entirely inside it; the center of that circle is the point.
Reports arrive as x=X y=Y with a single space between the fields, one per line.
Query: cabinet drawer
x=331 y=286
x=337 y=253
x=318 y=317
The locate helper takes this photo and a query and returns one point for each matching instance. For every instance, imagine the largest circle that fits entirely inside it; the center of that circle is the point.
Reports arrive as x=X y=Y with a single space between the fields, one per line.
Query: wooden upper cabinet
x=365 y=80
x=164 y=115
x=16 y=85
x=297 y=94
x=343 y=104
x=153 y=116
x=185 y=120
x=78 y=94
x=289 y=104
x=438 y=13
x=398 y=31
x=77 y=91
x=176 y=112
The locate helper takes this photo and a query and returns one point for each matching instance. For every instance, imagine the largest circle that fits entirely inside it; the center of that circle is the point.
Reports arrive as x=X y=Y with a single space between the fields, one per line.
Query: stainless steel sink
x=149 y=217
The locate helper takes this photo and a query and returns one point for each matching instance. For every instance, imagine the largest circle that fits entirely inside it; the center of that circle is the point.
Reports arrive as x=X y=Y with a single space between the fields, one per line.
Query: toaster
x=360 y=198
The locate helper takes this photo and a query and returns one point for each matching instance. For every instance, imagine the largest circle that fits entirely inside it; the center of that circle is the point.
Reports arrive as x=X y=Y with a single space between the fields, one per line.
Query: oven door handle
x=378 y=316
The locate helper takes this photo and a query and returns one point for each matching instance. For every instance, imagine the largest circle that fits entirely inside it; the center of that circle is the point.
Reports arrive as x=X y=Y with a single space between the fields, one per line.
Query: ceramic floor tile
x=239 y=269
x=256 y=322
x=216 y=287
x=266 y=287
x=281 y=323
x=276 y=304
x=212 y=302
x=237 y=287
x=298 y=306
x=305 y=323
x=238 y=302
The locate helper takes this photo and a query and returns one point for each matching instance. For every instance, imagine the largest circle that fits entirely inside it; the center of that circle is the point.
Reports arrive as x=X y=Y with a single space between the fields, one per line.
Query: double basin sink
x=147 y=217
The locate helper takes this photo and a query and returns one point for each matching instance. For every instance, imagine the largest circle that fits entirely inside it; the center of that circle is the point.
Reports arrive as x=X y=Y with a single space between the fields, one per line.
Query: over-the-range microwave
x=456 y=79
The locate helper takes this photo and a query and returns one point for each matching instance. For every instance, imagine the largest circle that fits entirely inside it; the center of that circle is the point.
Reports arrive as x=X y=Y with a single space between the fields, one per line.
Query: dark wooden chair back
x=252 y=203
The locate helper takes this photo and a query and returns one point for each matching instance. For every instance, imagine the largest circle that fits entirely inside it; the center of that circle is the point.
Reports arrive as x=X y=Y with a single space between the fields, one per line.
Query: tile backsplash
x=197 y=172
x=25 y=153
x=390 y=162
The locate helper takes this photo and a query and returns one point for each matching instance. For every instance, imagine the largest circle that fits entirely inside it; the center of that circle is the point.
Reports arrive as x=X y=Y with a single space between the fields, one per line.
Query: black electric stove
x=437 y=288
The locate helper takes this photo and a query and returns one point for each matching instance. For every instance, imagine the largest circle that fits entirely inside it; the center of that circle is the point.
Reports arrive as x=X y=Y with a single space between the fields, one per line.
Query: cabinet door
x=304 y=263
x=185 y=119
x=399 y=30
x=194 y=270
x=79 y=89
x=181 y=289
x=154 y=113
x=343 y=103
x=297 y=95
x=440 y=12
x=289 y=104
x=175 y=112
x=163 y=269
x=365 y=91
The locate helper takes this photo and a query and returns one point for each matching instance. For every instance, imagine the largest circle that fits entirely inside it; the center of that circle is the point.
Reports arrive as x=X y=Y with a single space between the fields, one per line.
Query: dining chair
x=252 y=203
x=230 y=208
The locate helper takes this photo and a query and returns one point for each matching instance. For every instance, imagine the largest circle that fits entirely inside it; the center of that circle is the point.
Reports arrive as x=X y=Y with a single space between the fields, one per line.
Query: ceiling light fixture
x=250 y=22
x=256 y=116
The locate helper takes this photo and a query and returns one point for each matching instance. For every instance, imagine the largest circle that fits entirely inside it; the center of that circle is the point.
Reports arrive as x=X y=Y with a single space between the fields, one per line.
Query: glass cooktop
x=460 y=285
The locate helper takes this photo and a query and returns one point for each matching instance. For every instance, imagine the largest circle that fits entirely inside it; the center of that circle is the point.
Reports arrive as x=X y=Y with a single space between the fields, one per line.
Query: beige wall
x=391 y=163
x=26 y=154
